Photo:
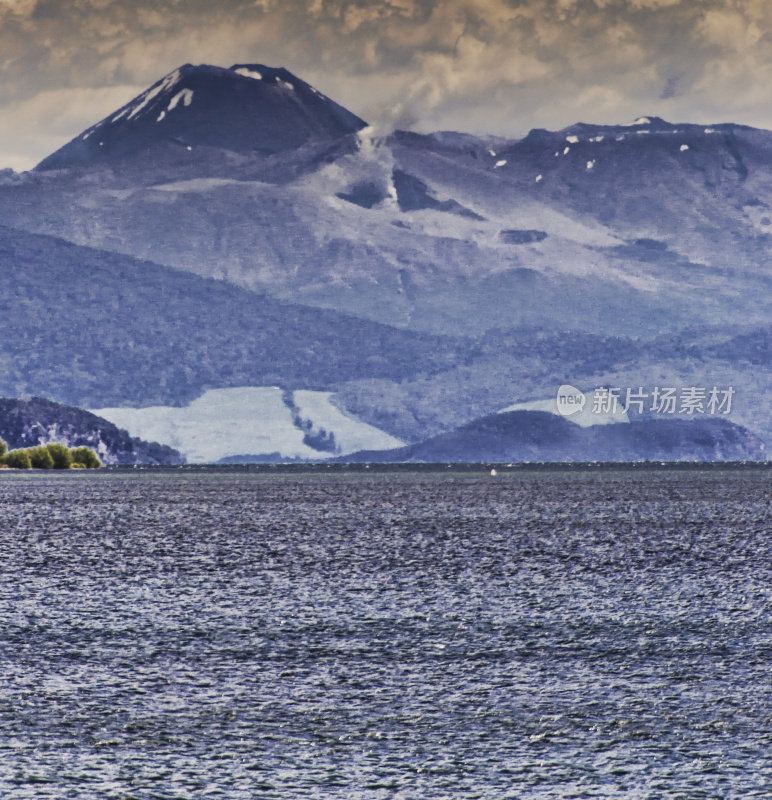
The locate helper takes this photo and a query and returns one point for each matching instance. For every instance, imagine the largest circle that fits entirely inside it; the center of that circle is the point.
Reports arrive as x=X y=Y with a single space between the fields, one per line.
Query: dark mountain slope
x=539 y=436
x=248 y=109
x=97 y=329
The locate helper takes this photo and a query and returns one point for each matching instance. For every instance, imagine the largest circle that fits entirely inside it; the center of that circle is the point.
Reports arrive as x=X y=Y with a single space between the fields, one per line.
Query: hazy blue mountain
x=526 y=364
x=98 y=329
x=539 y=436
x=427 y=279
x=624 y=230
x=27 y=423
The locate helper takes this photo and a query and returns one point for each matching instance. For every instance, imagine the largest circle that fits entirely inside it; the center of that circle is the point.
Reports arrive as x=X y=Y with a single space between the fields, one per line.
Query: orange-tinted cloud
x=483 y=65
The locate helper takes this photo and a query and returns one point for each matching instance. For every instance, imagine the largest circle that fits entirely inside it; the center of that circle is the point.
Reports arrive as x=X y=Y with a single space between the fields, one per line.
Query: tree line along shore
x=48 y=456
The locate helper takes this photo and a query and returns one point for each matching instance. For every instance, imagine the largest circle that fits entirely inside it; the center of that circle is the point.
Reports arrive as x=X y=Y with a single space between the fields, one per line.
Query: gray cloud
x=670 y=89
x=500 y=66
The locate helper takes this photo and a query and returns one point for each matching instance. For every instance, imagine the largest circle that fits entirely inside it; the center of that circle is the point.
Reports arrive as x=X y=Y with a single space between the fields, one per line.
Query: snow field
x=249 y=420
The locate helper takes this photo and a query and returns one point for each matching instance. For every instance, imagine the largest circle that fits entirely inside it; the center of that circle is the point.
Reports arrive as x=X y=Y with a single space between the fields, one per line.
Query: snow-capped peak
x=247 y=108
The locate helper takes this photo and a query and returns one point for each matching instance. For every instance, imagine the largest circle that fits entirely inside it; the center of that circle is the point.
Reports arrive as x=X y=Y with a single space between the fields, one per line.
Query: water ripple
x=240 y=636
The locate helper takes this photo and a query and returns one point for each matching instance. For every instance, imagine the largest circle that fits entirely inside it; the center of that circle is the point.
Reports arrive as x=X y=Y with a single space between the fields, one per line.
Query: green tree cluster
x=49 y=456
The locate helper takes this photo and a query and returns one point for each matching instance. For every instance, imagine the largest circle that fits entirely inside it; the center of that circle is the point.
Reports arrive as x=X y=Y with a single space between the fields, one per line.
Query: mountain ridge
x=541 y=436
x=619 y=237
x=430 y=231
x=248 y=108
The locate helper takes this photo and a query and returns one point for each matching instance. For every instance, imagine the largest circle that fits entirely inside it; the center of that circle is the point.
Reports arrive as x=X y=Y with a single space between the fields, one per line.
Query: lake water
x=386 y=635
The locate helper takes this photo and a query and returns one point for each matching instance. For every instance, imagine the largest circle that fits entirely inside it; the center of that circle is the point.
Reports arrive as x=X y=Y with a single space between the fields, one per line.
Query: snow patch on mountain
x=222 y=422
x=249 y=420
x=164 y=85
x=249 y=73
x=185 y=96
x=350 y=433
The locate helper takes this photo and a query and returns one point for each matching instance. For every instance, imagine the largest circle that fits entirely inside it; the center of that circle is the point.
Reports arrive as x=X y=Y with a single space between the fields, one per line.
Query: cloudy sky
x=495 y=66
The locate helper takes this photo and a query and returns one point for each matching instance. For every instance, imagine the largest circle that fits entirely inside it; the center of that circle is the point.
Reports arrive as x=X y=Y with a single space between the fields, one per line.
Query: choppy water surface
x=242 y=636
